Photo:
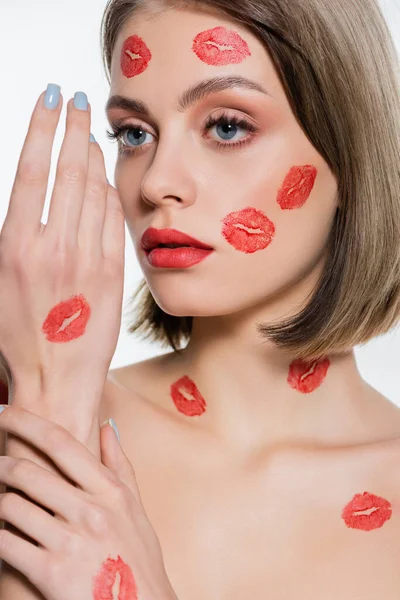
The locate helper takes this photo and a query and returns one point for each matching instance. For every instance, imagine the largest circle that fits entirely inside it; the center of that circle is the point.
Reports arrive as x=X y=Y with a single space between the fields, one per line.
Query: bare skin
x=247 y=497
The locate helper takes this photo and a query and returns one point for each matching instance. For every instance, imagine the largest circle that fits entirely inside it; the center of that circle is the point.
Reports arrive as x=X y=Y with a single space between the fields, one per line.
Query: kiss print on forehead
x=307 y=376
x=248 y=230
x=367 y=511
x=297 y=187
x=106 y=580
x=187 y=397
x=76 y=310
x=135 y=56
x=220 y=46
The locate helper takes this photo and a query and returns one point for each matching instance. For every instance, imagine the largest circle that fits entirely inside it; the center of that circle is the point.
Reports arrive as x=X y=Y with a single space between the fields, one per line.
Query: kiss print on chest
x=220 y=46
x=135 y=56
x=297 y=187
x=307 y=376
x=187 y=397
x=248 y=230
x=367 y=511
x=67 y=320
x=115 y=580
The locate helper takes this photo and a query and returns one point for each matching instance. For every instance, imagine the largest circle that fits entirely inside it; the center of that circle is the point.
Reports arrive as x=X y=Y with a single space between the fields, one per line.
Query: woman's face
x=252 y=187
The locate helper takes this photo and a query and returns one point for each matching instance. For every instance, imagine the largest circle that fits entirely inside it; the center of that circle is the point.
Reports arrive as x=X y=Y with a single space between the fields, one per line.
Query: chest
x=277 y=532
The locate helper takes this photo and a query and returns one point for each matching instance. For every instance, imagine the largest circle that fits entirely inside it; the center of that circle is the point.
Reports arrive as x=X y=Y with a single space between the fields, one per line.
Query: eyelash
x=224 y=119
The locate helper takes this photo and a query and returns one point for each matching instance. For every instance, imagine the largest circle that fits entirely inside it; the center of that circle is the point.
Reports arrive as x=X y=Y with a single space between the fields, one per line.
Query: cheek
x=74 y=313
x=220 y=46
x=135 y=56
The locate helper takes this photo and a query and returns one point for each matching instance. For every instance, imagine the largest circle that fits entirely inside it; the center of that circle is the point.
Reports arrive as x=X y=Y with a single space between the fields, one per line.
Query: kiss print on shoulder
x=135 y=56
x=220 y=46
x=106 y=579
x=76 y=310
x=367 y=511
x=307 y=376
x=248 y=230
x=187 y=397
x=297 y=187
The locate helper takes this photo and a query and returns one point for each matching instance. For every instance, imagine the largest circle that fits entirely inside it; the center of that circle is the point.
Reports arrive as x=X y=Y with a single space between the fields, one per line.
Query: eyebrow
x=190 y=96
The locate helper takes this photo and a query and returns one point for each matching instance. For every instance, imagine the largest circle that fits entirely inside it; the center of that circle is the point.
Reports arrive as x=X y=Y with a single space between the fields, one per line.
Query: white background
x=46 y=41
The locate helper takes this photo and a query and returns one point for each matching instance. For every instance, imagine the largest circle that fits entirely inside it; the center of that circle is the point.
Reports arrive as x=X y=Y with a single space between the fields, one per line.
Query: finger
x=32 y=521
x=39 y=484
x=94 y=205
x=115 y=459
x=28 y=194
x=22 y=555
x=70 y=183
x=68 y=454
x=114 y=229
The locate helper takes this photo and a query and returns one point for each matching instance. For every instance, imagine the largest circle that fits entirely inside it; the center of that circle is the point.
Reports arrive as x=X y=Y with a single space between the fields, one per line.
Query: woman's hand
x=61 y=284
x=101 y=542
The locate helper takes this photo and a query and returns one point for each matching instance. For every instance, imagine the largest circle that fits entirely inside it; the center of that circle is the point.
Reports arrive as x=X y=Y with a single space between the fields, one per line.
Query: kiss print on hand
x=297 y=187
x=107 y=585
x=187 y=397
x=236 y=230
x=206 y=45
x=367 y=511
x=135 y=56
x=307 y=376
x=55 y=328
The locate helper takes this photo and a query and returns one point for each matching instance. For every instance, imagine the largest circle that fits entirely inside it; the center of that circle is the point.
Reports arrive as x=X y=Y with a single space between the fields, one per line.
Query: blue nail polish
x=81 y=101
x=114 y=426
x=52 y=96
x=92 y=138
x=2 y=407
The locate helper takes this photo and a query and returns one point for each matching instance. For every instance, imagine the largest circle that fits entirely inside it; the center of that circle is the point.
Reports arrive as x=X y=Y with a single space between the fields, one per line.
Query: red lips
x=379 y=509
x=65 y=310
x=180 y=390
x=235 y=232
x=135 y=56
x=305 y=376
x=204 y=46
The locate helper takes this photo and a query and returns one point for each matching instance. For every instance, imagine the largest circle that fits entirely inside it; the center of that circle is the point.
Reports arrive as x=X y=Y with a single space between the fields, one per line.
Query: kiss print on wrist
x=115 y=580
x=297 y=187
x=367 y=511
x=307 y=376
x=187 y=397
x=220 y=46
x=67 y=320
x=135 y=56
x=248 y=230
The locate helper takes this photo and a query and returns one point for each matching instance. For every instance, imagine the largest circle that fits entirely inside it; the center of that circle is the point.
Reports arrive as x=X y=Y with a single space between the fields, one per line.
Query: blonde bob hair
x=339 y=68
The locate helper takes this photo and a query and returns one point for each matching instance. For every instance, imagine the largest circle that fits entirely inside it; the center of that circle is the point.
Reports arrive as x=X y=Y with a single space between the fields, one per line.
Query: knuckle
x=96 y=520
x=71 y=173
x=8 y=502
x=31 y=172
x=72 y=543
x=96 y=187
x=20 y=469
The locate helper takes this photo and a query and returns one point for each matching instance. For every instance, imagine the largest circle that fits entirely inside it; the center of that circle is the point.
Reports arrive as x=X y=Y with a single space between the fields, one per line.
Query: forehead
x=170 y=37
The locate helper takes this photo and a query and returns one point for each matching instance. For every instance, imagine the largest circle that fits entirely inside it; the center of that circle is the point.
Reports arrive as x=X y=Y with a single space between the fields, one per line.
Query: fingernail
x=81 y=101
x=114 y=426
x=92 y=138
x=52 y=96
x=2 y=407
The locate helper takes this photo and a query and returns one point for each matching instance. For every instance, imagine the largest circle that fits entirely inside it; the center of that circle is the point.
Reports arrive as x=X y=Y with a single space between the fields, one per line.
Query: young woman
x=258 y=173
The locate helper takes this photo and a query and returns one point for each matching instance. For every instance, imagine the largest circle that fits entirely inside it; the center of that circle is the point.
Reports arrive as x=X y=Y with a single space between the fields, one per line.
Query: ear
x=115 y=459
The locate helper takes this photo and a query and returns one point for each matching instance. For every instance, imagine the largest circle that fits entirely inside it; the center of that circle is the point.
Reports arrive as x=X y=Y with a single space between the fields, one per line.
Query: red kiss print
x=236 y=225
x=65 y=311
x=376 y=512
x=104 y=581
x=296 y=188
x=135 y=56
x=186 y=387
x=205 y=46
x=307 y=376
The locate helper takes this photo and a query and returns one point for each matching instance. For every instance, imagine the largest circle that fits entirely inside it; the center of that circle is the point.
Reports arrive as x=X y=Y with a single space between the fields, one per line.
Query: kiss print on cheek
x=206 y=47
x=248 y=230
x=367 y=511
x=67 y=311
x=187 y=397
x=107 y=585
x=135 y=56
x=296 y=188
x=306 y=377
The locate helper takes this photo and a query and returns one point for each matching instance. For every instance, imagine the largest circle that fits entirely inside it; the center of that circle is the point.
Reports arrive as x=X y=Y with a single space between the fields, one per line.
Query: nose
x=169 y=181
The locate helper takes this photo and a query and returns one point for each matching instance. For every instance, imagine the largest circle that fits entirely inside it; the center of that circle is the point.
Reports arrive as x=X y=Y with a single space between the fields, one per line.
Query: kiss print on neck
x=76 y=311
x=107 y=585
x=207 y=46
x=187 y=397
x=248 y=230
x=135 y=56
x=306 y=377
x=367 y=511
x=297 y=187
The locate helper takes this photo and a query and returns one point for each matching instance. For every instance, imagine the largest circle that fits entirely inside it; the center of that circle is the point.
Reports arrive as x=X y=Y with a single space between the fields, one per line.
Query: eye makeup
x=207 y=47
x=305 y=377
x=67 y=311
x=135 y=56
x=187 y=397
